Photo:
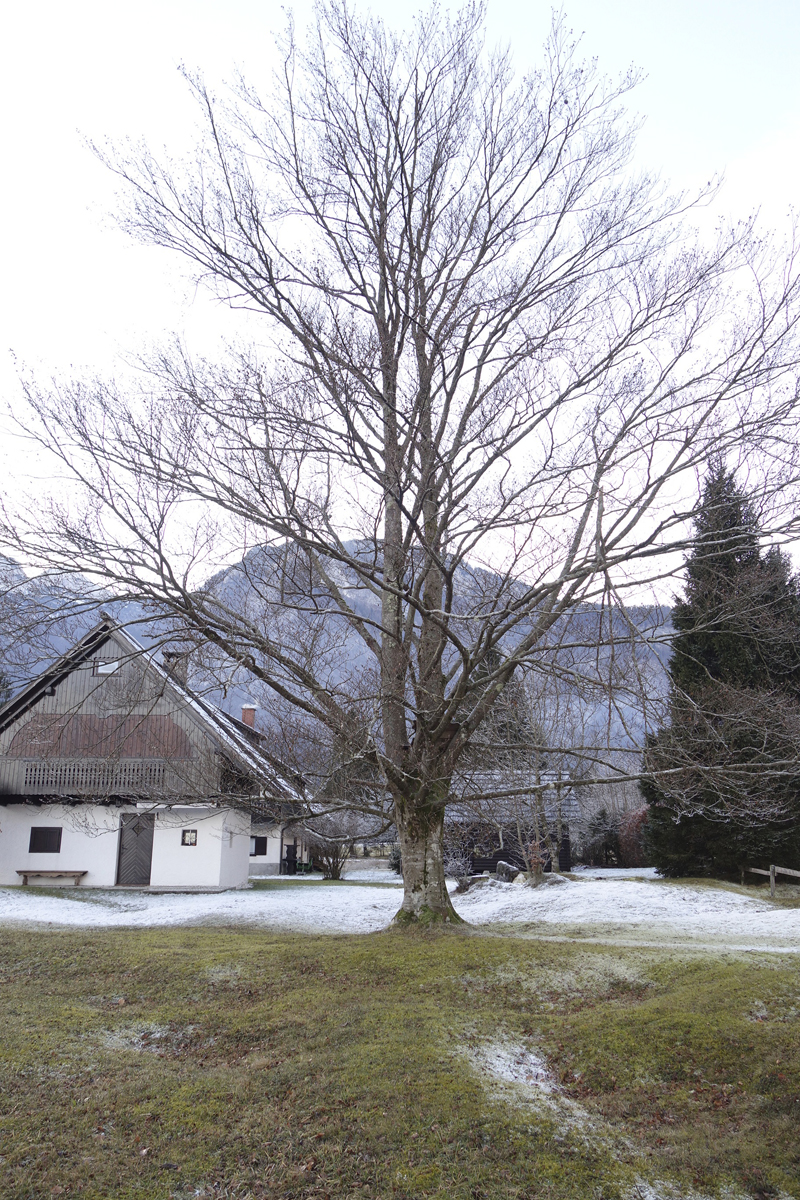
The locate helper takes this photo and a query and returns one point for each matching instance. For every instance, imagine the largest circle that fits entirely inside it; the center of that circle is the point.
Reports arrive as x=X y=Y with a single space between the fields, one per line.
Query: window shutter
x=45 y=839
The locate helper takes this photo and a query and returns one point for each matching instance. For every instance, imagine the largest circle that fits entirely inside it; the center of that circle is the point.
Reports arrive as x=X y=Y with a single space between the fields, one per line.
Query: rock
x=505 y=872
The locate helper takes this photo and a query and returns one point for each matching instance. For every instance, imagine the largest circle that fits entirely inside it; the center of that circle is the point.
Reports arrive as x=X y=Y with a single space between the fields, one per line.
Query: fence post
x=772 y=881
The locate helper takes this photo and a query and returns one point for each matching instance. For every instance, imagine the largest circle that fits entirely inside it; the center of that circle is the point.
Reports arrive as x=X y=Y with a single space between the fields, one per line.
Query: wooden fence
x=772 y=872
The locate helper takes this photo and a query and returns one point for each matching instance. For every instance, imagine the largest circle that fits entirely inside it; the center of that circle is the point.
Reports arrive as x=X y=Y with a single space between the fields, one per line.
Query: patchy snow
x=661 y=1189
x=662 y=910
x=155 y=1039
x=516 y=1064
x=626 y=910
x=521 y=1077
x=324 y=908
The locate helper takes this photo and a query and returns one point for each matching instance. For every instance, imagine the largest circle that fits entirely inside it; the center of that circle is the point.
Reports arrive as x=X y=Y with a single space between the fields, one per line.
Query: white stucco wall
x=175 y=865
x=235 y=864
x=269 y=863
x=90 y=842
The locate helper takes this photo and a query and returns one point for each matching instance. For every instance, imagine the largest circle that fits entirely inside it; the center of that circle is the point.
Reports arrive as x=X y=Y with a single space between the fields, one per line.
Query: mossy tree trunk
x=420 y=828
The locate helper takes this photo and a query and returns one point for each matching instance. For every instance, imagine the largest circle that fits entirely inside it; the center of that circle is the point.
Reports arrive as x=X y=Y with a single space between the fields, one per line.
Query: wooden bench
x=76 y=875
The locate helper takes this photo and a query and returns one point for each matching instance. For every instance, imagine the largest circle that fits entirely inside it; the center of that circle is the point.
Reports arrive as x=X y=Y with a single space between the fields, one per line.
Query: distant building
x=506 y=815
x=113 y=773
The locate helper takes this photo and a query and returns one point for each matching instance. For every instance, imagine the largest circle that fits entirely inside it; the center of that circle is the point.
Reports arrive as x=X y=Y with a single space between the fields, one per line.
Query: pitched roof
x=509 y=793
x=240 y=744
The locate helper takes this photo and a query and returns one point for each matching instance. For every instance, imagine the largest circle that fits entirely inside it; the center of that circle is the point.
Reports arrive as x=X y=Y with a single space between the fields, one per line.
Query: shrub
x=632 y=852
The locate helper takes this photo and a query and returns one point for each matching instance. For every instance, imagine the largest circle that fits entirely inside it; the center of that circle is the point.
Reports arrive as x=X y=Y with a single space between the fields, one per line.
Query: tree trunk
x=425 y=898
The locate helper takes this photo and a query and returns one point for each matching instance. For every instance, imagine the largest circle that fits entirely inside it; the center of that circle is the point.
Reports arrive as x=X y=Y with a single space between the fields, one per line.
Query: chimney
x=249 y=715
x=176 y=664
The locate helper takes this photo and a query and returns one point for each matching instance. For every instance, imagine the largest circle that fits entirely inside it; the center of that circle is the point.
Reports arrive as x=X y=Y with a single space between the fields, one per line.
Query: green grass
x=245 y=1064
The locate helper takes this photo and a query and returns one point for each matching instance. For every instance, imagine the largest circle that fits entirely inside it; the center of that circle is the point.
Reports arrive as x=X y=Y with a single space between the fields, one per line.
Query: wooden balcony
x=99 y=777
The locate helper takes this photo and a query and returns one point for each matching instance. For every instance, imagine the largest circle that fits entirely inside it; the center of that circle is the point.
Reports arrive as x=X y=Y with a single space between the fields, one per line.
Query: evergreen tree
x=602 y=840
x=722 y=780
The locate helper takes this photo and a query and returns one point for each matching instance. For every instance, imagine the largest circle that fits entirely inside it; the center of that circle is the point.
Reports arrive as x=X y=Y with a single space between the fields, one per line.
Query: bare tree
x=494 y=361
x=564 y=741
x=331 y=838
x=458 y=854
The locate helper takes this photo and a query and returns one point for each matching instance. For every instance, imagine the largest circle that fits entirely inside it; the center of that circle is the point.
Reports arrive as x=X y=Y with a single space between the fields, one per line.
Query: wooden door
x=135 y=848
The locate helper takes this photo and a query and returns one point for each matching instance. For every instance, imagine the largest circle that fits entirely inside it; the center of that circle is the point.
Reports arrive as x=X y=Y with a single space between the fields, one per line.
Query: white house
x=112 y=773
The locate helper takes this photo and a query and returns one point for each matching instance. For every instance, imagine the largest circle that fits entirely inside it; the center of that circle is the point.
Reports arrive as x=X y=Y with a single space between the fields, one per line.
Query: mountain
x=41 y=617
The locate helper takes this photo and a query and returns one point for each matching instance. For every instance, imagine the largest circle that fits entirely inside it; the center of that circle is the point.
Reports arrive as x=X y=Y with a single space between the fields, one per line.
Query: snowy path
x=598 y=906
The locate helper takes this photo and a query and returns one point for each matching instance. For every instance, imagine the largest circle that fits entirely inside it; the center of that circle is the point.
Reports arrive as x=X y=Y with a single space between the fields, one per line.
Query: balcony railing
x=83 y=777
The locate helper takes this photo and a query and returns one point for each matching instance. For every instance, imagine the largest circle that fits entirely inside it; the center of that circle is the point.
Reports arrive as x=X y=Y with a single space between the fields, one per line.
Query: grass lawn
x=207 y=1061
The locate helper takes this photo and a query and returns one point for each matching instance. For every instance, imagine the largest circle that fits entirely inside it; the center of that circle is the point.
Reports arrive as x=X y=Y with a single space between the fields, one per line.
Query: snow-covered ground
x=597 y=905
x=615 y=872
x=307 y=907
x=362 y=871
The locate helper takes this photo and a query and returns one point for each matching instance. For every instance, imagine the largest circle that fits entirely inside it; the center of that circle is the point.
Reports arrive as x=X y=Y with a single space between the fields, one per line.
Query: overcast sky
x=720 y=96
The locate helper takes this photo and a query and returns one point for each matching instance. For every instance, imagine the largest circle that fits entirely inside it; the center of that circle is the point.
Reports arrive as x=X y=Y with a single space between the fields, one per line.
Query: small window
x=45 y=840
x=188 y=837
x=102 y=667
x=258 y=847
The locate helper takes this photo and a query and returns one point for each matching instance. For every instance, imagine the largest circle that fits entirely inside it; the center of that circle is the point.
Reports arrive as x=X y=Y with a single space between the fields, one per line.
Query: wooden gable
x=104 y=721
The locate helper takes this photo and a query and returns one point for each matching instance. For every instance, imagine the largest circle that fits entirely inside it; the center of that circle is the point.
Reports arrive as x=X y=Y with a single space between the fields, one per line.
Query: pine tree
x=722 y=780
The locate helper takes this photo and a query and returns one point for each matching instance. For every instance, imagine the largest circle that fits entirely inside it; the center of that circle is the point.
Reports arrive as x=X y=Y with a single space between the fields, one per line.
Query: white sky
x=720 y=96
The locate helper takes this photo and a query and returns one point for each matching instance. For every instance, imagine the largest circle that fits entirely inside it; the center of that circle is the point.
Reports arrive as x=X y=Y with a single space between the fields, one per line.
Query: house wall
x=269 y=863
x=90 y=842
x=176 y=865
x=235 y=859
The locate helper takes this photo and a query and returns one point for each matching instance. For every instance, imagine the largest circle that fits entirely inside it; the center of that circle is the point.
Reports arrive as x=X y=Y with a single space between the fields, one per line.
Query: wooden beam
x=772 y=872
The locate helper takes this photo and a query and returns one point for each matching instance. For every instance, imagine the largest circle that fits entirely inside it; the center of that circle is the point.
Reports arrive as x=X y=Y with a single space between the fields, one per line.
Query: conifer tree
x=723 y=778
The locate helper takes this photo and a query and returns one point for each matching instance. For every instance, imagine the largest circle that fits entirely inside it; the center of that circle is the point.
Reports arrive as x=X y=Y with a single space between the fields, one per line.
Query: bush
x=458 y=866
x=395 y=860
x=631 y=838
x=331 y=855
